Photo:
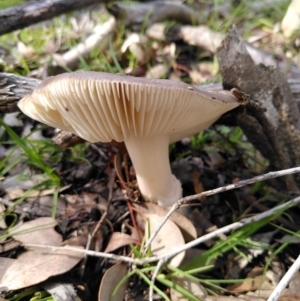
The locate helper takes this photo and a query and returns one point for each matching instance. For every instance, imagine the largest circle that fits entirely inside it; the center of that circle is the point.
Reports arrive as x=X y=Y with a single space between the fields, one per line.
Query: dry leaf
x=33 y=267
x=61 y=291
x=119 y=240
x=198 y=186
x=168 y=239
x=288 y=298
x=252 y=282
x=27 y=52
x=232 y=298
x=293 y=290
x=5 y=263
x=110 y=280
x=194 y=287
x=16 y=193
x=12 y=120
x=2 y=217
x=188 y=230
x=38 y=231
x=291 y=20
x=9 y=245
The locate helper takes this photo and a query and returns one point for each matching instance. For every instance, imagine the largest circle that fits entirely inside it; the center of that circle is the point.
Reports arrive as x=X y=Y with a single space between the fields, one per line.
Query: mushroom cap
x=104 y=107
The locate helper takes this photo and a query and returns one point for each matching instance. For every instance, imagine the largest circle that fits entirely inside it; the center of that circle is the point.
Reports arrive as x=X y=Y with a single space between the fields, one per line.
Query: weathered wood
x=12 y=89
x=276 y=132
x=17 y=17
x=134 y=15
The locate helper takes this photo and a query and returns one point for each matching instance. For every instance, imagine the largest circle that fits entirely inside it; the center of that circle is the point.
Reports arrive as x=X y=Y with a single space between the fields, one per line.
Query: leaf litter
x=34 y=266
x=89 y=191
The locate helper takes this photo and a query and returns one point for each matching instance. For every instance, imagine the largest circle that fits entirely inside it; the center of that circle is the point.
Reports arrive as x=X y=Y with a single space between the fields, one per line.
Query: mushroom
x=146 y=114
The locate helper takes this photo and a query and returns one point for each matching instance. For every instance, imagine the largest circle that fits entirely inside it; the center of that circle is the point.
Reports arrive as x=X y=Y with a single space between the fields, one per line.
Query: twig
x=153 y=278
x=285 y=280
x=98 y=40
x=167 y=256
x=89 y=241
x=154 y=12
x=118 y=258
x=262 y=208
x=111 y=181
x=239 y=184
x=226 y=229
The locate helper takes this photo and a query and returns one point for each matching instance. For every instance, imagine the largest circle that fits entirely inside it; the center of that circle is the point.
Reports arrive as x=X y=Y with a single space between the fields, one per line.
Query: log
x=12 y=89
x=18 y=17
x=135 y=15
x=98 y=39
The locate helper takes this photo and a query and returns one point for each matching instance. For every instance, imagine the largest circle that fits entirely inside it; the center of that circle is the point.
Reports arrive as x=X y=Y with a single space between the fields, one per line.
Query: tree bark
x=17 y=17
x=12 y=89
x=273 y=126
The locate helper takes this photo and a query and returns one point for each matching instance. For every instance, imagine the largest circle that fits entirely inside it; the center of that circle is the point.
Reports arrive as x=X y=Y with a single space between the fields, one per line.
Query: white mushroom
x=146 y=114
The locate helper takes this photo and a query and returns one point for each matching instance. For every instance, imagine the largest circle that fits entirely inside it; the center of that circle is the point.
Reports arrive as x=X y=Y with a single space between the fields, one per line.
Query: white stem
x=150 y=158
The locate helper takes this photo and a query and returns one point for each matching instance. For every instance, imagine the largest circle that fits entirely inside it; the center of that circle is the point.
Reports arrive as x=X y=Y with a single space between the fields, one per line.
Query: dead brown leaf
x=119 y=240
x=35 y=266
x=252 y=282
x=168 y=239
x=292 y=293
x=232 y=298
x=110 y=280
x=27 y=52
x=194 y=287
x=61 y=291
x=5 y=263
x=188 y=230
x=198 y=186
x=38 y=231
x=2 y=217
x=18 y=193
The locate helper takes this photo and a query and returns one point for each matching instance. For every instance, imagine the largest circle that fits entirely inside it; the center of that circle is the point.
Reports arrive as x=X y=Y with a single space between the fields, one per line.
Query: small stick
x=229 y=228
x=176 y=205
x=153 y=278
x=285 y=280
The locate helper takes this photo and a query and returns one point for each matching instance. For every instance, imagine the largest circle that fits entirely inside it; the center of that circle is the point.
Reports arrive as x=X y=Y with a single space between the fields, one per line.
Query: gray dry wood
x=274 y=127
x=18 y=17
x=12 y=89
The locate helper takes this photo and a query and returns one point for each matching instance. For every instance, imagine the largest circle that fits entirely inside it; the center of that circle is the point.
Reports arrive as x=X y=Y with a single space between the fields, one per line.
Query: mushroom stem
x=150 y=158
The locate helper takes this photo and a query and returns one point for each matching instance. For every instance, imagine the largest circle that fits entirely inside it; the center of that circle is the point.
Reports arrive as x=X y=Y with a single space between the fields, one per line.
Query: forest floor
x=86 y=196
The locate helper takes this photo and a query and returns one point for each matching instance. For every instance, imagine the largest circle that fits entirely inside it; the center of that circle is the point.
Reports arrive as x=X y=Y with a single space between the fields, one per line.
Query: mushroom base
x=150 y=158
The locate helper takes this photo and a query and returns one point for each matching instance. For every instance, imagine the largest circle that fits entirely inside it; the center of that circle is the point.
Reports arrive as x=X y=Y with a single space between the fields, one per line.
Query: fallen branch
x=18 y=17
x=12 y=89
x=97 y=40
x=135 y=15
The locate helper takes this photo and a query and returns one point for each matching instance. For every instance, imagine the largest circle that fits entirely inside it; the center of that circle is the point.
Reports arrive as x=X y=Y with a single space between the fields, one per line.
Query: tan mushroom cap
x=103 y=107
